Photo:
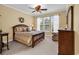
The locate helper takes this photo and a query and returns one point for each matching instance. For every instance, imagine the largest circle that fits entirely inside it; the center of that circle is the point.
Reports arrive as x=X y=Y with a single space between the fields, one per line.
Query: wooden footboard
x=37 y=38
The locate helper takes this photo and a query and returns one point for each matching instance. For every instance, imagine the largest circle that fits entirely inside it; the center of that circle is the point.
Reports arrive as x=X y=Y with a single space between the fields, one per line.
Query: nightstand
x=1 y=41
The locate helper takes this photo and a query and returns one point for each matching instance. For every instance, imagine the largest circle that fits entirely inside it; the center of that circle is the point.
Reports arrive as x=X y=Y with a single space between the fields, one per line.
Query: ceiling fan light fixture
x=38 y=8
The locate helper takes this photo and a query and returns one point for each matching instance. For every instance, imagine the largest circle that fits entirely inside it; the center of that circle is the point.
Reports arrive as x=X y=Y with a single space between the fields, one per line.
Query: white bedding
x=26 y=37
x=29 y=33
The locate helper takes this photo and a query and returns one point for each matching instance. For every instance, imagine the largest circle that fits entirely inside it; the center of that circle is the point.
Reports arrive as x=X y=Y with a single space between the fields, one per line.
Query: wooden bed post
x=33 y=44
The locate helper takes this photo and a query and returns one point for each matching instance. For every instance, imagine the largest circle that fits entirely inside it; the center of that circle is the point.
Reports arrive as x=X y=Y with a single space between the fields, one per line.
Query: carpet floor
x=45 y=47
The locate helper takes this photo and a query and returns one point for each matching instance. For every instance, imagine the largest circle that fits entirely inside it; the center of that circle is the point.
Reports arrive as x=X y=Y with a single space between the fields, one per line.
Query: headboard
x=19 y=28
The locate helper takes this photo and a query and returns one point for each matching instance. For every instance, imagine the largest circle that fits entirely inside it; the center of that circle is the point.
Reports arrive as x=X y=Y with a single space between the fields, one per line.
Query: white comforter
x=25 y=37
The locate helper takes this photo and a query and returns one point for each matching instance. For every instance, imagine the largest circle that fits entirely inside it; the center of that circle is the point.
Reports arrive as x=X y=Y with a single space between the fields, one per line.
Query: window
x=45 y=24
x=48 y=23
x=55 y=23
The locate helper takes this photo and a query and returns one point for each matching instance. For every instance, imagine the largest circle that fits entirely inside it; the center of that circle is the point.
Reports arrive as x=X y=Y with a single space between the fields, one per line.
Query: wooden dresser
x=66 y=42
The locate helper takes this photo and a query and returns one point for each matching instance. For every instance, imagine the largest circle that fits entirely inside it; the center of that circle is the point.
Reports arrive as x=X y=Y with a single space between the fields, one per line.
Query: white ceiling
x=25 y=8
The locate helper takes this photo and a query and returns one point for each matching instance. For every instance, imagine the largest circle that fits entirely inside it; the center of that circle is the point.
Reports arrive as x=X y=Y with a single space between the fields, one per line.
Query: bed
x=22 y=34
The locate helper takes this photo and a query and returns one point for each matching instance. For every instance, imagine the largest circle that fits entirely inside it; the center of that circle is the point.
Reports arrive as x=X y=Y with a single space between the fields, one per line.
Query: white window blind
x=48 y=23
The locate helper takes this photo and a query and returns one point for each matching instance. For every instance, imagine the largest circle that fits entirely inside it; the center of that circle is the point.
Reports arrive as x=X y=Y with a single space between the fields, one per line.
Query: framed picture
x=21 y=19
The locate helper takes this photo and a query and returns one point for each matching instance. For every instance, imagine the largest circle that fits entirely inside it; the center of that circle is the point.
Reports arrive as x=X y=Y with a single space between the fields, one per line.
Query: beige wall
x=35 y=22
x=76 y=28
x=0 y=22
x=62 y=20
x=9 y=18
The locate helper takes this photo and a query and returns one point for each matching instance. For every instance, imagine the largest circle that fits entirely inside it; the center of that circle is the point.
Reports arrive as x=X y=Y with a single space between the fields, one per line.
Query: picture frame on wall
x=21 y=19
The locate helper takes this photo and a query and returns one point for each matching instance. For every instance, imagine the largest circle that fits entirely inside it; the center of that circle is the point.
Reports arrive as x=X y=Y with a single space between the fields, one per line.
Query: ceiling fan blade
x=44 y=9
x=33 y=11
x=30 y=8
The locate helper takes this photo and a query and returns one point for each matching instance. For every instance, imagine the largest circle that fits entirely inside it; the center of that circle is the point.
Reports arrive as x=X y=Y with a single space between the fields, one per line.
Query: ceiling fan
x=38 y=9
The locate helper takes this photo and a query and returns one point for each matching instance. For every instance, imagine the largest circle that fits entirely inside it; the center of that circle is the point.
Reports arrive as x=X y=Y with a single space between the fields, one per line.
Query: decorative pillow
x=18 y=29
x=21 y=29
x=27 y=29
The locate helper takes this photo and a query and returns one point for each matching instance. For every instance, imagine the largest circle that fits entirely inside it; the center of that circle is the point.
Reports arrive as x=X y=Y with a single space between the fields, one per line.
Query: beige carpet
x=46 y=47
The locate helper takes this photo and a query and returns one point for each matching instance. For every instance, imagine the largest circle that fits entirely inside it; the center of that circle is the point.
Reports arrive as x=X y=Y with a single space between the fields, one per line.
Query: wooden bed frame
x=34 y=40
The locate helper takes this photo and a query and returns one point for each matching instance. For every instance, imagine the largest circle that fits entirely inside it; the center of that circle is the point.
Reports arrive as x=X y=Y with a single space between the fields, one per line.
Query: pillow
x=23 y=29
x=18 y=29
